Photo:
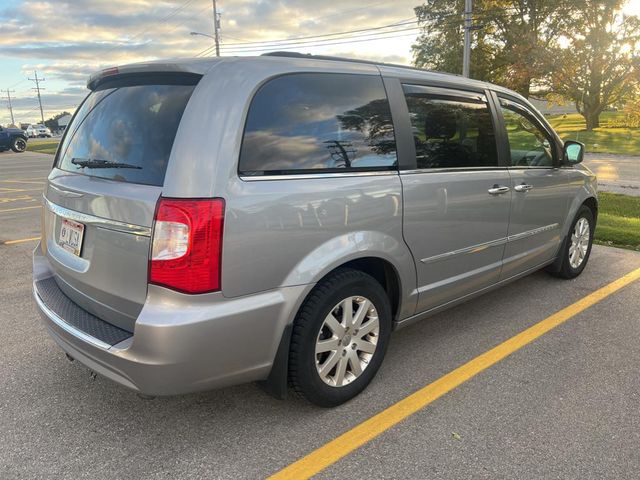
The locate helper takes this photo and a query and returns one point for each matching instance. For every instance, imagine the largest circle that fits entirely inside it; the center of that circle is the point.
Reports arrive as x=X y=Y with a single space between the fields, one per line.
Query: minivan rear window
x=126 y=132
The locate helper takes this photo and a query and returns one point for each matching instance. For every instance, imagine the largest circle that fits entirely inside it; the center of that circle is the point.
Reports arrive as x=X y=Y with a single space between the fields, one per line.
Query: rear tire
x=339 y=338
x=18 y=144
x=575 y=250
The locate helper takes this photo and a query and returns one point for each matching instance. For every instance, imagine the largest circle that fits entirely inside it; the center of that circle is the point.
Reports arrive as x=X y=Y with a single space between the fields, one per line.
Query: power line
x=18 y=83
x=398 y=23
x=38 y=80
x=325 y=41
x=147 y=30
x=206 y=7
x=319 y=40
x=348 y=40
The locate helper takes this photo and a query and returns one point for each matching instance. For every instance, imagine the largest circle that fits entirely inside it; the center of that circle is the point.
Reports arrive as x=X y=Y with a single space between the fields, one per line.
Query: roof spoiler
x=134 y=70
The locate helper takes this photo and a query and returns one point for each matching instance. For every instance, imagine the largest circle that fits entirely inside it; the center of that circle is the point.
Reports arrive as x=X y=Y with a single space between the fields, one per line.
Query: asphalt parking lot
x=564 y=406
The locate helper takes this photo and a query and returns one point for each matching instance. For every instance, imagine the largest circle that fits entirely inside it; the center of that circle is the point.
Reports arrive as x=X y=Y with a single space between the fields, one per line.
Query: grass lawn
x=618 y=221
x=43 y=145
x=608 y=138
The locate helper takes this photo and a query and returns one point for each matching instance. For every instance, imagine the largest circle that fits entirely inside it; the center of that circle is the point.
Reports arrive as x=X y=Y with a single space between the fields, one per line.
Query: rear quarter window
x=318 y=123
x=125 y=133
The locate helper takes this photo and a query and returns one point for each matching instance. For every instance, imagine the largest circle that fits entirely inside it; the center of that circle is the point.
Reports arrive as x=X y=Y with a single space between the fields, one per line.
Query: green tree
x=439 y=47
x=632 y=110
x=600 y=63
x=511 y=40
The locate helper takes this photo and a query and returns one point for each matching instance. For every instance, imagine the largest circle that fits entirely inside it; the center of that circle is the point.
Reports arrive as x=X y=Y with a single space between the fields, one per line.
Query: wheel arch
x=381 y=269
x=592 y=204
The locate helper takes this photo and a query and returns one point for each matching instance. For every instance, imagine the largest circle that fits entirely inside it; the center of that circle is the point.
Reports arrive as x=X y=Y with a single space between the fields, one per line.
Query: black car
x=14 y=139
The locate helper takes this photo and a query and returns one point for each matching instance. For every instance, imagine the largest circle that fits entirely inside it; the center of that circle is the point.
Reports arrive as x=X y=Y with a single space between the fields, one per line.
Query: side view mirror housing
x=573 y=152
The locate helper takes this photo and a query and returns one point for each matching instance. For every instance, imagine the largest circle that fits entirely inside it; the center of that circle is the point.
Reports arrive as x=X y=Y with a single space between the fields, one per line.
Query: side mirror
x=573 y=152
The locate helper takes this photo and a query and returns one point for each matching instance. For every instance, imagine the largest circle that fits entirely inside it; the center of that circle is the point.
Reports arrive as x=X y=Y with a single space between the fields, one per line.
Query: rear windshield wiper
x=99 y=163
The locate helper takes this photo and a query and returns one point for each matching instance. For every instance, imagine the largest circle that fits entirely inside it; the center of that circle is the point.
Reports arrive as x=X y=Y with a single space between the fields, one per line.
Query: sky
x=65 y=41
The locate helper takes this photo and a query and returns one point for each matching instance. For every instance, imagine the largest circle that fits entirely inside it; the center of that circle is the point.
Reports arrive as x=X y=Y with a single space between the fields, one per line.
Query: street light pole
x=468 y=7
x=216 y=27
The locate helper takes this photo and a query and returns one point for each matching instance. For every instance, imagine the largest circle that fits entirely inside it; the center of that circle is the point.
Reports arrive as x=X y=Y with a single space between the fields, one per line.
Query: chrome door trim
x=454 y=170
x=528 y=233
x=472 y=249
x=307 y=176
x=493 y=243
x=99 y=222
x=70 y=329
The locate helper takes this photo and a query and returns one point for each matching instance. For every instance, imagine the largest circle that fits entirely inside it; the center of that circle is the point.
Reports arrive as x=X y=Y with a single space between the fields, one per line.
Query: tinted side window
x=529 y=144
x=318 y=122
x=450 y=133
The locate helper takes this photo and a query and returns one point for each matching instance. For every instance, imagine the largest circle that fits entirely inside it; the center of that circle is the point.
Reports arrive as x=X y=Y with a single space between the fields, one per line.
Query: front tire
x=18 y=144
x=576 y=248
x=339 y=338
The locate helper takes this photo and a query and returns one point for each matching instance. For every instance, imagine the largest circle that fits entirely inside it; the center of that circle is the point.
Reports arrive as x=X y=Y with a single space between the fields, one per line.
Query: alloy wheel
x=347 y=341
x=579 y=242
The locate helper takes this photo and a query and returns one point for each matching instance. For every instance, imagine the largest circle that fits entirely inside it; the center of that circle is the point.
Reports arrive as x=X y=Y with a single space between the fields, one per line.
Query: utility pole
x=13 y=122
x=466 y=55
x=38 y=80
x=216 y=27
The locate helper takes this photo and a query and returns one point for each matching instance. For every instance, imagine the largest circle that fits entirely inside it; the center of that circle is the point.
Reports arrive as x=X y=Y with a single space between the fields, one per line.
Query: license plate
x=71 y=236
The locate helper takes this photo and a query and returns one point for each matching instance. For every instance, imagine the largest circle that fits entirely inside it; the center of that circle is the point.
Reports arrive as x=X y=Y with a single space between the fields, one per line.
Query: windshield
x=127 y=125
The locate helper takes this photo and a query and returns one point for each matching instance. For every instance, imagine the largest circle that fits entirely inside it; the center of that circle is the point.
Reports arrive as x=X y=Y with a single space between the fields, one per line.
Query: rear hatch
x=101 y=196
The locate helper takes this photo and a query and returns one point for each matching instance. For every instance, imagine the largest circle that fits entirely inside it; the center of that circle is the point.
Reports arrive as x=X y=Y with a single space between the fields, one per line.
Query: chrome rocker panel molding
x=432 y=311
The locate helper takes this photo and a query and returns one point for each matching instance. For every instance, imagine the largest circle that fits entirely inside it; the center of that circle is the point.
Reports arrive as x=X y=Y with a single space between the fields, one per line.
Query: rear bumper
x=181 y=343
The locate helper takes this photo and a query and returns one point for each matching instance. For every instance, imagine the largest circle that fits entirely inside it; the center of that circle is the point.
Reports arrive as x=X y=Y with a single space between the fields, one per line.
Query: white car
x=39 y=130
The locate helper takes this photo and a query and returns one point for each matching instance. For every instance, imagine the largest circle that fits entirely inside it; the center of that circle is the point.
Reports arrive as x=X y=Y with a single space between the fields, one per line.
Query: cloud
x=67 y=40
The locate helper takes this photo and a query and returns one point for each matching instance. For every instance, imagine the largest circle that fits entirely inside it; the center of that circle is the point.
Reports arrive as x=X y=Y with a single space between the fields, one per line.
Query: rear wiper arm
x=99 y=163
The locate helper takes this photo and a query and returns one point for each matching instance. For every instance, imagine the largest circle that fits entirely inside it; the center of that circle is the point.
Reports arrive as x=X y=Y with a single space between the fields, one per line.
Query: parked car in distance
x=13 y=138
x=334 y=202
x=38 y=131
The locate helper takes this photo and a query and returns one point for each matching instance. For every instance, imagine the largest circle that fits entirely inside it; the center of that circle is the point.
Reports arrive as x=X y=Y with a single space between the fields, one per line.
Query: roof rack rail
x=345 y=59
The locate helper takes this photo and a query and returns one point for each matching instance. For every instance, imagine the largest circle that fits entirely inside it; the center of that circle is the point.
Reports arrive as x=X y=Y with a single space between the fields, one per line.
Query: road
x=564 y=406
x=616 y=173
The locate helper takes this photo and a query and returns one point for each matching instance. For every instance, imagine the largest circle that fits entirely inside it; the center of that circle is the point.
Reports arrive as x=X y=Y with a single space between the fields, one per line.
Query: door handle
x=523 y=187
x=498 y=190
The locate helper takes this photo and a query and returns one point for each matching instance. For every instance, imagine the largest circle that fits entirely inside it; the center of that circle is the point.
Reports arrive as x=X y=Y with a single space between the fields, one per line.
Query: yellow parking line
x=32 y=178
x=20 y=181
x=22 y=240
x=16 y=190
x=22 y=198
x=349 y=441
x=20 y=208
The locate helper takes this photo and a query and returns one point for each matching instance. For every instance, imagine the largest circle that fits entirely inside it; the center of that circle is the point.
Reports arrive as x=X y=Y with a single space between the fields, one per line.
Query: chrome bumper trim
x=97 y=221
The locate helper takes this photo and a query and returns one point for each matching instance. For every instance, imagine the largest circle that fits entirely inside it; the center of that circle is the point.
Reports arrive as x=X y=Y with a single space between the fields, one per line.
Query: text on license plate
x=71 y=236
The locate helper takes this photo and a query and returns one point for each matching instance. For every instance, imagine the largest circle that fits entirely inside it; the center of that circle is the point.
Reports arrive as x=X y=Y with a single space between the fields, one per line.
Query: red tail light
x=186 y=252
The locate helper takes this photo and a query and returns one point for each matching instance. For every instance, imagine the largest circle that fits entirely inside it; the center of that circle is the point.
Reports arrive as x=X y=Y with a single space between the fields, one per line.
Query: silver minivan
x=210 y=222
